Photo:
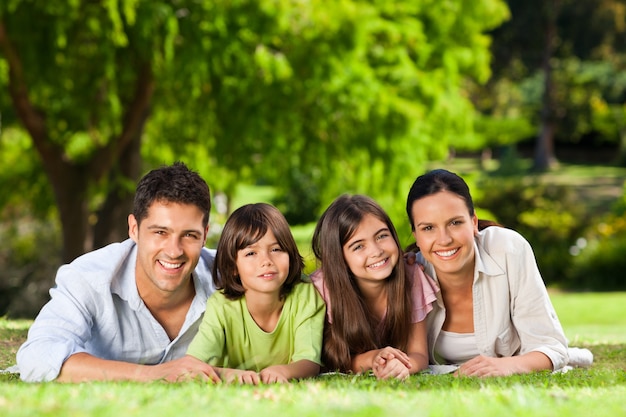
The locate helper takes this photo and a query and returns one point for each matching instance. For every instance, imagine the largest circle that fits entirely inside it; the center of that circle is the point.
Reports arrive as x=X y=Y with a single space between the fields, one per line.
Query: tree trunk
x=544 y=158
x=112 y=225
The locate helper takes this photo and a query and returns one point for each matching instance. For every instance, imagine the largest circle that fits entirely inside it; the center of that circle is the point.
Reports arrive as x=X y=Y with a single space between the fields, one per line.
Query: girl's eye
x=427 y=228
x=382 y=236
x=357 y=247
x=248 y=253
x=278 y=249
x=456 y=222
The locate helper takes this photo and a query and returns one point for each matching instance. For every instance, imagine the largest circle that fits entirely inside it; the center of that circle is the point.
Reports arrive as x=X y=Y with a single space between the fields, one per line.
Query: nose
x=173 y=248
x=376 y=250
x=266 y=258
x=444 y=237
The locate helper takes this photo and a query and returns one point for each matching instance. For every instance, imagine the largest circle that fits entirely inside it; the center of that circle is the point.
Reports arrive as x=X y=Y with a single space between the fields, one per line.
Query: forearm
x=82 y=367
x=302 y=369
x=529 y=362
x=363 y=362
x=419 y=362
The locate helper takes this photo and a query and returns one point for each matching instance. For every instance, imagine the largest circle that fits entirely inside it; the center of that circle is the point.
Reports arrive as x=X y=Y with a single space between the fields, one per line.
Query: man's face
x=169 y=241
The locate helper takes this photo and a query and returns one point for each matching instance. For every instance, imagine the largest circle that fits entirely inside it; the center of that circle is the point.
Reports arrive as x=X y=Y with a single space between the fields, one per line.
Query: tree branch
x=135 y=117
x=33 y=119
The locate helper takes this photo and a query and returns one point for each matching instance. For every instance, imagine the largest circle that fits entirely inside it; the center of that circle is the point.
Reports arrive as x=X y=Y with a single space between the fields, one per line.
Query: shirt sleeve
x=61 y=329
x=209 y=343
x=309 y=324
x=317 y=278
x=532 y=313
x=423 y=292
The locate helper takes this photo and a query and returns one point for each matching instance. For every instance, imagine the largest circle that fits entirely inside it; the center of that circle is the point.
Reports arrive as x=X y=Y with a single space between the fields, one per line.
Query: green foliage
x=547 y=215
x=599 y=263
x=588 y=73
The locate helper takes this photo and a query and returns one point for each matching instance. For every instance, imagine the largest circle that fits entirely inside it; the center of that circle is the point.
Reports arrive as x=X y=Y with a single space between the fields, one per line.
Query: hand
x=410 y=258
x=391 y=362
x=392 y=369
x=241 y=376
x=274 y=374
x=184 y=369
x=484 y=366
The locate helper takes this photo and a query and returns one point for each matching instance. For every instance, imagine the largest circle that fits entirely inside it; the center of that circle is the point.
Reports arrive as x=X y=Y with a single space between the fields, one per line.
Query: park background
x=294 y=102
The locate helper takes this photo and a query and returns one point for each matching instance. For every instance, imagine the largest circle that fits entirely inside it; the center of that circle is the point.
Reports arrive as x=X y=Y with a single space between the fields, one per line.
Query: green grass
x=591 y=319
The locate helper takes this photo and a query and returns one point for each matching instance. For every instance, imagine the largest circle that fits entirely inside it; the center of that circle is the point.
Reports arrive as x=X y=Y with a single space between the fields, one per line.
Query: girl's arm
x=386 y=366
x=376 y=358
x=295 y=370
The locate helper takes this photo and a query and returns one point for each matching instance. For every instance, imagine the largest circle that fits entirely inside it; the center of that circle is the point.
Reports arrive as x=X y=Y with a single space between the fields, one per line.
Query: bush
x=600 y=263
x=547 y=215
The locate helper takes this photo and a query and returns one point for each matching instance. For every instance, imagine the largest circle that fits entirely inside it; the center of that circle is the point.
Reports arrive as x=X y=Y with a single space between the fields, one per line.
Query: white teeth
x=447 y=253
x=170 y=265
x=377 y=264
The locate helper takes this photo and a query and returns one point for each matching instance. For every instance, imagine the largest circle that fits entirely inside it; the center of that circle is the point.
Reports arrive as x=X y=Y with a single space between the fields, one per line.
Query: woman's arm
x=486 y=366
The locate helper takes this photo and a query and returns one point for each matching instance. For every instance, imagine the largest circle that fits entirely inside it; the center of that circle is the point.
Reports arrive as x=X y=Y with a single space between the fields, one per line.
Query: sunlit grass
x=597 y=391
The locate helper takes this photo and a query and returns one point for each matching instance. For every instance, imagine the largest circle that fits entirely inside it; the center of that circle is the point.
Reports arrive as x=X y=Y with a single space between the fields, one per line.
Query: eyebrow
x=169 y=229
x=430 y=223
x=384 y=229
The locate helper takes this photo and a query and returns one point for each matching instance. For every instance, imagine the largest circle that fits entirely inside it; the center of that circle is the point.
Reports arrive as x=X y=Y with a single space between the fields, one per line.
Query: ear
x=206 y=234
x=133 y=228
x=475 y=224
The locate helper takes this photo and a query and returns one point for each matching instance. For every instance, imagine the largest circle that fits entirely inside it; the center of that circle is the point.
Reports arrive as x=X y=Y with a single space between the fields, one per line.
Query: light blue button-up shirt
x=95 y=308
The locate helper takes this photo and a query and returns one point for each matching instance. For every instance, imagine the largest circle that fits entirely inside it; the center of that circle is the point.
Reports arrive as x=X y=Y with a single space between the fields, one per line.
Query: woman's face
x=444 y=232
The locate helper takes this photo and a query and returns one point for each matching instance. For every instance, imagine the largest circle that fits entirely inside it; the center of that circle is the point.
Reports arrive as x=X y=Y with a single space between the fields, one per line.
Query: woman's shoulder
x=501 y=239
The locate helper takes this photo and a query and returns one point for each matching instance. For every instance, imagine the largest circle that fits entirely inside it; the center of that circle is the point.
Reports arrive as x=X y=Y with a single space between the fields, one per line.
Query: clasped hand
x=390 y=362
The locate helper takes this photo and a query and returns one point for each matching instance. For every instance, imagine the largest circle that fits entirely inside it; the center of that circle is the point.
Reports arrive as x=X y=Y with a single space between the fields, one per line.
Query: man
x=128 y=311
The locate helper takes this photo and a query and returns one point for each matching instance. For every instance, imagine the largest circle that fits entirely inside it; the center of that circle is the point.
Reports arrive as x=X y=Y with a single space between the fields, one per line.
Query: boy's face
x=169 y=242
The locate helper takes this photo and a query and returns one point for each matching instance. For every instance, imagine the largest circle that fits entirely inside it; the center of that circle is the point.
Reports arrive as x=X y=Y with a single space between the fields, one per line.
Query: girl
x=264 y=324
x=493 y=315
x=375 y=303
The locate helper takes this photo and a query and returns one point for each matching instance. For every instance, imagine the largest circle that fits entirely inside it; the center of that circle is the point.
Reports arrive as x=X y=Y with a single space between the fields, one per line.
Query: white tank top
x=456 y=347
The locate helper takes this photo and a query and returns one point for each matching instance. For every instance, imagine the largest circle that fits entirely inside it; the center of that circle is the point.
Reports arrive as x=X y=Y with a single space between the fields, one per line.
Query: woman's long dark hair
x=354 y=328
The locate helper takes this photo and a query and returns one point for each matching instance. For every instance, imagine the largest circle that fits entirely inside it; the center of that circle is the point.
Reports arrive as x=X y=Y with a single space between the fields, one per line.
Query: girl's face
x=371 y=253
x=263 y=266
x=444 y=232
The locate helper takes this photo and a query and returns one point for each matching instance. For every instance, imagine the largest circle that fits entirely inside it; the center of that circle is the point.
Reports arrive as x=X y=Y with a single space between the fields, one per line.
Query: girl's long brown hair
x=354 y=328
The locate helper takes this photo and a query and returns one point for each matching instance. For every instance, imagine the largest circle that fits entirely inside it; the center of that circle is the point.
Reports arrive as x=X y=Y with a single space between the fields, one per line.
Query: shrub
x=547 y=215
x=600 y=261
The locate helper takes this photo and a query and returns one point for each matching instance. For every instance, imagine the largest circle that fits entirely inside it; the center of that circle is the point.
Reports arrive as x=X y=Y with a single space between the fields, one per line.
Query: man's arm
x=82 y=367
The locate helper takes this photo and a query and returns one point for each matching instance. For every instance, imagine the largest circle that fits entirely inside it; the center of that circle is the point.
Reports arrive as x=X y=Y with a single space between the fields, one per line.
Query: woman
x=493 y=315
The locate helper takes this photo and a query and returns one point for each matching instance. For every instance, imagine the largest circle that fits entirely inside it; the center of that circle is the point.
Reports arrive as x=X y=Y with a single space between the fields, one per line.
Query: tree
x=345 y=95
x=549 y=73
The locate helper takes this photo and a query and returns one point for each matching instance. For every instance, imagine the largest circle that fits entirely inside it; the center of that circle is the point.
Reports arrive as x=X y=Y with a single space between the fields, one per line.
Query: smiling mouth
x=446 y=253
x=169 y=265
x=378 y=264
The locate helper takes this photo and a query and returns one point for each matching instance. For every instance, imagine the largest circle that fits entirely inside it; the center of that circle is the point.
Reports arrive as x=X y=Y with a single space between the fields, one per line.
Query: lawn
x=590 y=319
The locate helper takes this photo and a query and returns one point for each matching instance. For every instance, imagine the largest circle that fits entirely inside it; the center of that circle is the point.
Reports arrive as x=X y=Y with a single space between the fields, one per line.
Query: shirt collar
x=484 y=265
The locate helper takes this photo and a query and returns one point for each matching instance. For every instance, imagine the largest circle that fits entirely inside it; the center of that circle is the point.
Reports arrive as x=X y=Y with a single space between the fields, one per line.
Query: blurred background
x=295 y=102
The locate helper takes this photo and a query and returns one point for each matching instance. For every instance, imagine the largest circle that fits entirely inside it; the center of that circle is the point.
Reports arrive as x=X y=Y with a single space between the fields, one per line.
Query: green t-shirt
x=228 y=336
